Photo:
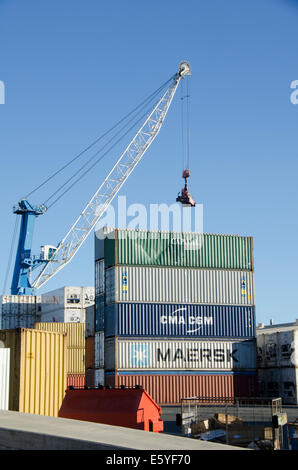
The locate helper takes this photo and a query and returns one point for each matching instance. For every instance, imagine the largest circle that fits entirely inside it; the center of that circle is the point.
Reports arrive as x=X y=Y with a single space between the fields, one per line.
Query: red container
x=170 y=389
x=76 y=380
x=131 y=408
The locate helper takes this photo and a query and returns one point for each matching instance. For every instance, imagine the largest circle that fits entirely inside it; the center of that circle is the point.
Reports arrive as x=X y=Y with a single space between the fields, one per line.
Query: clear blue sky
x=73 y=68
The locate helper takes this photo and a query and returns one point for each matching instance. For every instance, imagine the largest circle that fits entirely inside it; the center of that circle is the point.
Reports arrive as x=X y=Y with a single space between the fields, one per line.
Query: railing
x=237 y=421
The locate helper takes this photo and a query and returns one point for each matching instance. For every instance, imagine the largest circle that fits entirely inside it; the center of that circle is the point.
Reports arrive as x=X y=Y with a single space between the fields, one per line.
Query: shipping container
x=95 y=377
x=67 y=297
x=90 y=321
x=99 y=312
x=75 y=332
x=4 y=377
x=99 y=377
x=38 y=367
x=76 y=346
x=169 y=389
x=19 y=311
x=76 y=380
x=99 y=277
x=182 y=320
x=65 y=315
x=170 y=354
x=19 y=304
x=279 y=382
x=279 y=349
x=167 y=285
x=13 y=321
x=99 y=350
x=173 y=249
x=90 y=353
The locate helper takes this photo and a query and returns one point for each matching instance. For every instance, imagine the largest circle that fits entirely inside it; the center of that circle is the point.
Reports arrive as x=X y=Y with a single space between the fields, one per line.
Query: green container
x=176 y=249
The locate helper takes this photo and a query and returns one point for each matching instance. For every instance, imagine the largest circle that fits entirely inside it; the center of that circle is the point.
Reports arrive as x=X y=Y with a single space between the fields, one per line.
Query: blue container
x=183 y=320
x=99 y=312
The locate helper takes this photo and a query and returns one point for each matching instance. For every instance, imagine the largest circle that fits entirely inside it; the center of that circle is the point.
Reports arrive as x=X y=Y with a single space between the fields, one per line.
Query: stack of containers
x=67 y=304
x=175 y=313
x=277 y=361
x=90 y=345
x=19 y=311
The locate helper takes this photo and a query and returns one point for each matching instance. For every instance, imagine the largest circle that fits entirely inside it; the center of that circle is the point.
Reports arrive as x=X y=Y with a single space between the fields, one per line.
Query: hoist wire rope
x=182 y=125
x=187 y=120
x=158 y=90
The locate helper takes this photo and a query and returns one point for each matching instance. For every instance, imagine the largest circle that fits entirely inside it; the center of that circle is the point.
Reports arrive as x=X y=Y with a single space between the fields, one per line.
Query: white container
x=19 y=311
x=99 y=277
x=65 y=315
x=4 y=377
x=67 y=297
x=179 y=285
x=124 y=354
x=279 y=382
x=19 y=304
x=99 y=345
x=88 y=296
x=278 y=349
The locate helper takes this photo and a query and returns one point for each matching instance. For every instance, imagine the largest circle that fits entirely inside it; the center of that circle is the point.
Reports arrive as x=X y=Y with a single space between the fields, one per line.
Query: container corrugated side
x=279 y=382
x=90 y=352
x=170 y=354
x=99 y=348
x=183 y=320
x=67 y=297
x=76 y=380
x=64 y=315
x=13 y=321
x=90 y=321
x=170 y=389
x=4 y=377
x=167 y=285
x=14 y=305
x=76 y=343
x=177 y=249
x=38 y=369
x=99 y=277
x=99 y=312
x=279 y=349
x=75 y=332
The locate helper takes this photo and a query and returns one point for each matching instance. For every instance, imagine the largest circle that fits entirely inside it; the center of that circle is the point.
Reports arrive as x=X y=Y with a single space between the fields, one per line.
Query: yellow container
x=75 y=332
x=38 y=370
x=75 y=343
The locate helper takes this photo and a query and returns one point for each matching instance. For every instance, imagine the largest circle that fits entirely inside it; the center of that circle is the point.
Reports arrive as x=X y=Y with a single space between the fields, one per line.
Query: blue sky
x=72 y=69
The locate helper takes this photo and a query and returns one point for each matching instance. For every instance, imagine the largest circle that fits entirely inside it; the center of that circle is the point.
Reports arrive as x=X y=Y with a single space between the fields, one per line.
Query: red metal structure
x=127 y=407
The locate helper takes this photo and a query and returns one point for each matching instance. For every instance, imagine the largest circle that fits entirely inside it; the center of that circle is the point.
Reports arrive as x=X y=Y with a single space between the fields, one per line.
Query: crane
x=53 y=258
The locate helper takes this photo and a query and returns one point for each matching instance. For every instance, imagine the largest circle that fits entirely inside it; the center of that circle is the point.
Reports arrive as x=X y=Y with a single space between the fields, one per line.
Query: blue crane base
x=24 y=262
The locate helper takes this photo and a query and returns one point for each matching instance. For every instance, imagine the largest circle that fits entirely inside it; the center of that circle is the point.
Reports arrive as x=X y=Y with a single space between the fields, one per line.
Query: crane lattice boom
x=100 y=201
